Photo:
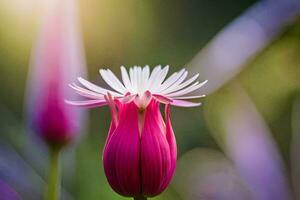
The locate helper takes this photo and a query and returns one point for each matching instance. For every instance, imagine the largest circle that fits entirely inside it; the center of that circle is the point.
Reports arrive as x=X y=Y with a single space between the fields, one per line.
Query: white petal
x=183 y=85
x=172 y=79
x=160 y=78
x=187 y=90
x=156 y=71
x=131 y=79
x=190 y=97
x=126 y=79
x=96 y=88
x=182 y=103
x=135 y=78
x=86 y=93
x=145 y=77
x=146 y=72
x=139 y=80
x=176 y=83
x=112 y=80
x=88 y=103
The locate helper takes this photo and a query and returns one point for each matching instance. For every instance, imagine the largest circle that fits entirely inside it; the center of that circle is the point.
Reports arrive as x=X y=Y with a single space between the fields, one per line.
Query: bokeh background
x=243 y=143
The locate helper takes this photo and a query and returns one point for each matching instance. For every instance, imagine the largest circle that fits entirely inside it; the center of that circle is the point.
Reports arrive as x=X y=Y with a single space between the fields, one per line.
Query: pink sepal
x=162 y=99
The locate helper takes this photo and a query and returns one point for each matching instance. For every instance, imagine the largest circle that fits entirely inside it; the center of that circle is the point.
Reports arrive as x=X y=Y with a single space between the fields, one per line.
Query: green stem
x=53 y=189
x=140 y=198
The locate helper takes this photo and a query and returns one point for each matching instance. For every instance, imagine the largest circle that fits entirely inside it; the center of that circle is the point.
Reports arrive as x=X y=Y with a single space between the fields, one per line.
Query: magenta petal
x=122 y=153
x=155 y=152
x=173 y=149
x=113 y=124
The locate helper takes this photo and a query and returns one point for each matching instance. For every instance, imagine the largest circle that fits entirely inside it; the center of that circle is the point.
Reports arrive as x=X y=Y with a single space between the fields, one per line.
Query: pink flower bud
x=56 y=59
x=140 y=153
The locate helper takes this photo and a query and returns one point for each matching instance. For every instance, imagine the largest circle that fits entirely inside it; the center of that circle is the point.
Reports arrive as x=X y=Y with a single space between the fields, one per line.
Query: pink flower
x=140 y=153
x=56 y=60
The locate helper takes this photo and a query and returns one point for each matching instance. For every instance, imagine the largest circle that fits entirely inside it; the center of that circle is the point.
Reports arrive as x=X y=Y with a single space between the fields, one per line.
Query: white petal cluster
x=138 y=80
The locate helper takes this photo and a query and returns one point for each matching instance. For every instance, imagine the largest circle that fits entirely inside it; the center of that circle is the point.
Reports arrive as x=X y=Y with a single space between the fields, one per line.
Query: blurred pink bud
x=140 y=153
x=56 y=60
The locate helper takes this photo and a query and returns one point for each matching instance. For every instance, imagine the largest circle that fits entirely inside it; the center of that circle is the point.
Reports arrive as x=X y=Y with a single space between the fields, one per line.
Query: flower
x=140 y=153
x=56 y=60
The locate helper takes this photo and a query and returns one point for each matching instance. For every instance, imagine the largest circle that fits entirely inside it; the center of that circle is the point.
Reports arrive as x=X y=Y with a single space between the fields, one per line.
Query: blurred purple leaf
x=229 y=51
x=250 y=145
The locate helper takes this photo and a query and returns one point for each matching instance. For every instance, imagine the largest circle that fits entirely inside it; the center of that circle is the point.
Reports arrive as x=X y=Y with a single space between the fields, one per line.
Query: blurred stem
x=53 y=189
x=140 y=198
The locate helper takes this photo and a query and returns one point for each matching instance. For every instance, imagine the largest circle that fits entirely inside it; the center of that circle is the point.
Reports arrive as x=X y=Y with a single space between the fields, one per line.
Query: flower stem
x=140 y=198
x=53 y=189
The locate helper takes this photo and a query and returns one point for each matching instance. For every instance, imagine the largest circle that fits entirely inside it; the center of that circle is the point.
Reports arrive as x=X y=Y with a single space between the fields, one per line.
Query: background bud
x=57 y=59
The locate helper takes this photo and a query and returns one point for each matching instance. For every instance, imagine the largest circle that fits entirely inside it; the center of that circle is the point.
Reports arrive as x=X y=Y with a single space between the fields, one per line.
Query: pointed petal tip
x=102 y=71
x=81 y=80
x=110 y=97
x=67 y=101
x=72 y=103
x=87 y=103
x=182 y=103
x=71 y=85
x=190 y=97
